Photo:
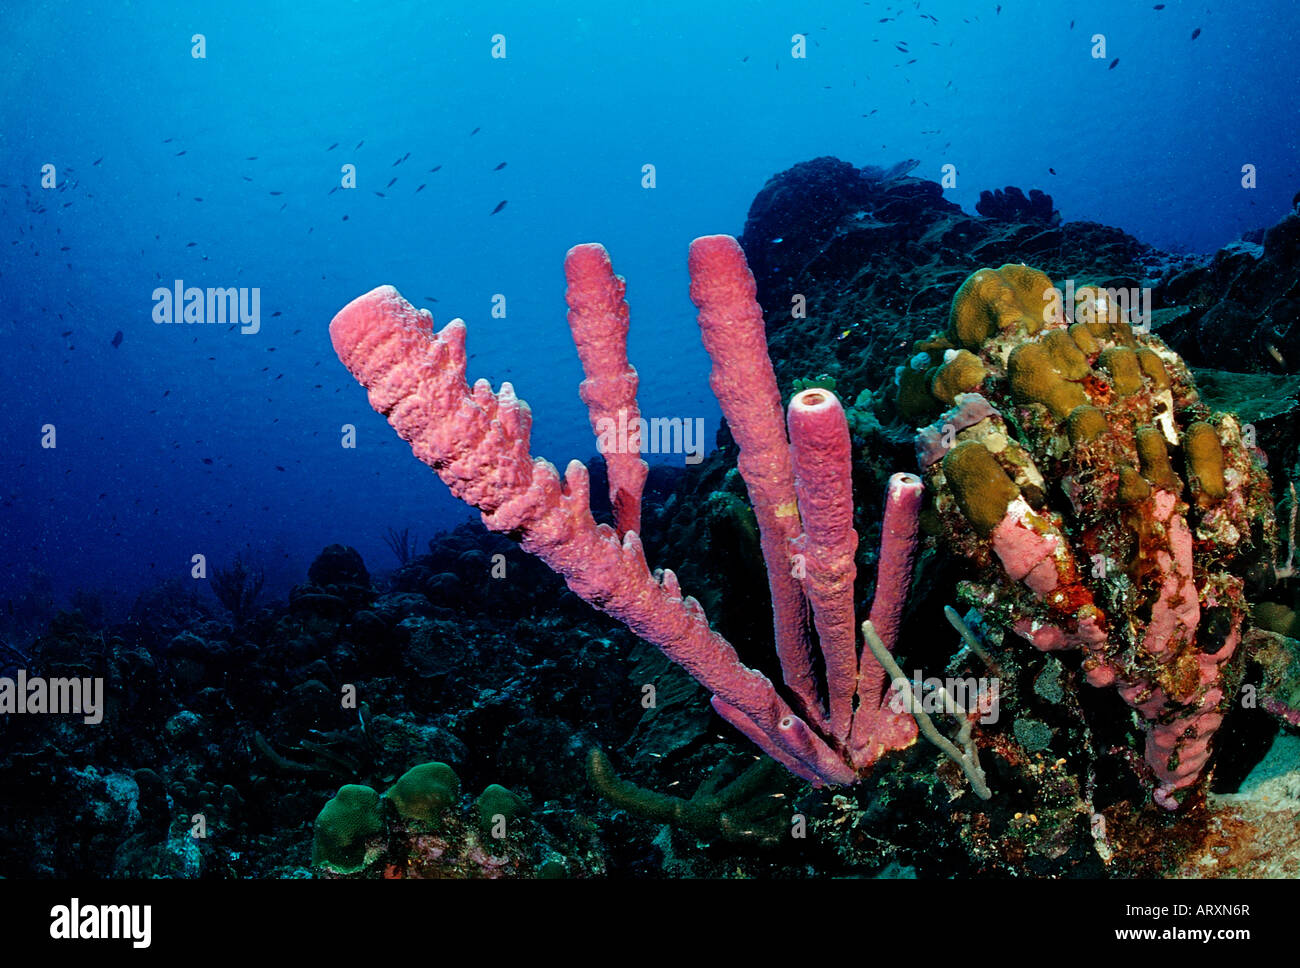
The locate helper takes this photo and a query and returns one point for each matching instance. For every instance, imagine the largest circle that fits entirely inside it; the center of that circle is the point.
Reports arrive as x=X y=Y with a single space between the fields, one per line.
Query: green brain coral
x=497 y=801
x=344 y=826
x=423 y=792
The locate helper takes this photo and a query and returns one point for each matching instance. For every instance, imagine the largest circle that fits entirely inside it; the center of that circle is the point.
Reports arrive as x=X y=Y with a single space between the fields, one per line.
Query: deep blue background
x=708 y=93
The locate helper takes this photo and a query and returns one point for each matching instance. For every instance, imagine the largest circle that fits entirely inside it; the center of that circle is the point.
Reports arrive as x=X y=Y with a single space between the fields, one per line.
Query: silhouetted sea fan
x=238 y=588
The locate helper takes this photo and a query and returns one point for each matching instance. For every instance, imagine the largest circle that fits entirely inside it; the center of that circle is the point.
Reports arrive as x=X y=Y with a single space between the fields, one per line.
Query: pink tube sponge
x=598 y=319
x=823 y=482
x=478 y=442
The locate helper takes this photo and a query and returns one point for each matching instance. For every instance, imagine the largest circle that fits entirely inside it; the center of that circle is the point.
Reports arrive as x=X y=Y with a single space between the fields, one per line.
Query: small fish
x=396 y=163
x=277 y=193
x=345 y=218
x=278 y=467
x=251 y=158
x=418 y=190
x=168 y=141
x=429 y=299
x=1158 y=6
x=745 y=59
x=499 y=207
x=207 y=460
x=179 y=153
x=332 y=190
x=434 y=168
x=1113 y=64
x=245 y=177
x=359 y=144
x=197 y=199
x=1196 y=33
x=276 y=313
x=96 y=162
x=381 y=194
x=190 y=244
x=499 y=167
x=333 y=146
x=391 y=183
x=1052 y=170
x=66 y=333
x=117 y=339
x=1071 y=24
x=475 y=131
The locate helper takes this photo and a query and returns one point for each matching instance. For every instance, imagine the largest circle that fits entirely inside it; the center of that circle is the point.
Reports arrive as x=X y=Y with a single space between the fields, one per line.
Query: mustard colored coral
x=1153 y=458
x=962 y=372
x=1086 y=423
x=1065 y=356
x=1121 y=364
x=1154 y=368
x=992 y=300
x=982 y=488
x=1035 y=379
x=1204 y=461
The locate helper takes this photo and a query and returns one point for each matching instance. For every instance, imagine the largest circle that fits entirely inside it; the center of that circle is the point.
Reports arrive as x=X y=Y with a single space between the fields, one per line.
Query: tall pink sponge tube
x=823 y=483
x=598 y=318
x=735 y=337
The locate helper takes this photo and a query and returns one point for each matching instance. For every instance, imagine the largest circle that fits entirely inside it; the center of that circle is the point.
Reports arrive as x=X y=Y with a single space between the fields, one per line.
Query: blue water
x=187 y=440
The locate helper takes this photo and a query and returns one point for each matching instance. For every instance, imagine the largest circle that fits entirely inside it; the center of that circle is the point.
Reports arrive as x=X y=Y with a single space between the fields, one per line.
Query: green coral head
x=344 y=828
x=423 y=792
x=497 y=801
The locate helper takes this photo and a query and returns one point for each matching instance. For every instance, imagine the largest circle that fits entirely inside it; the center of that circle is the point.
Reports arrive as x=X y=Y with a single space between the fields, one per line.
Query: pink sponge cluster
x=828 y=729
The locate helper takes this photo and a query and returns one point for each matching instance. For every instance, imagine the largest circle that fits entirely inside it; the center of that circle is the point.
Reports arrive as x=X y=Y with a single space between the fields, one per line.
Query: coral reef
x=1104 y=505
x=222 y=740
x=1241 y=310
x=219 y=743
x=418 y=830
x=852 y=265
